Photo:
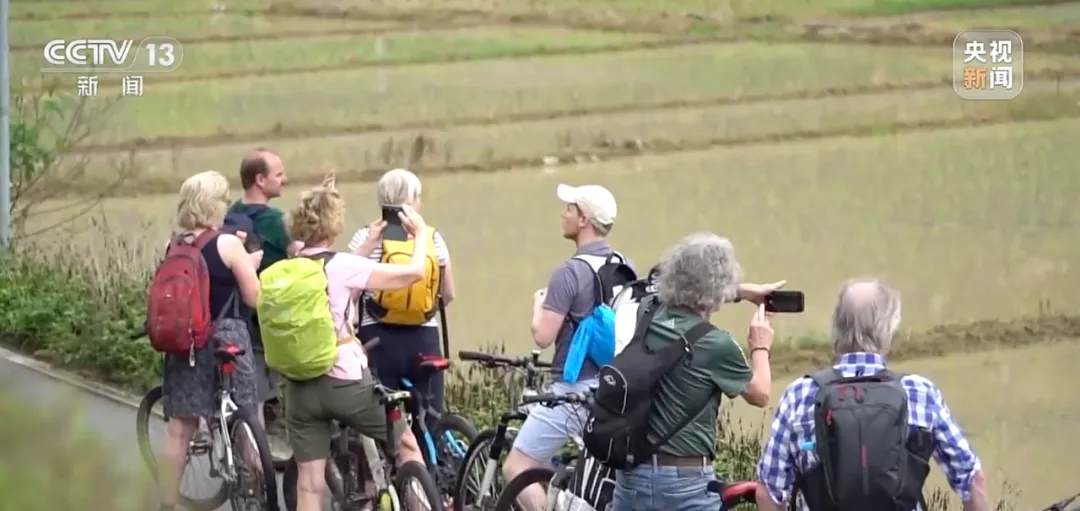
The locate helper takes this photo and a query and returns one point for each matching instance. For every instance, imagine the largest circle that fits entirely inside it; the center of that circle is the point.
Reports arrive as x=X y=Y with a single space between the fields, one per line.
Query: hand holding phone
x=785 y=302
x=412 y=221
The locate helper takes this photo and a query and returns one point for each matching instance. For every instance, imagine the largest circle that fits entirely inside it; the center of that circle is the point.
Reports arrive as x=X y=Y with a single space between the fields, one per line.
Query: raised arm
x=397 y=276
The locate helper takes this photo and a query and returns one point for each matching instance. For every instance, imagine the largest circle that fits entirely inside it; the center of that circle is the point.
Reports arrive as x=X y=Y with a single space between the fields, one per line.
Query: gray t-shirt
x=571 y=292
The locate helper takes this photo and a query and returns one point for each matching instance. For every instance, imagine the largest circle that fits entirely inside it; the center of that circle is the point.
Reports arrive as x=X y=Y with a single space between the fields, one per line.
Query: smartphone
x=394 y=230
x=785 y=302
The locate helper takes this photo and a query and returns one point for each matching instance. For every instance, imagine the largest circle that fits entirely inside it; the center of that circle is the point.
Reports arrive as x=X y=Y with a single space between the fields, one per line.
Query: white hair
x=866 y=318
x=700 y=273
x=398 y=187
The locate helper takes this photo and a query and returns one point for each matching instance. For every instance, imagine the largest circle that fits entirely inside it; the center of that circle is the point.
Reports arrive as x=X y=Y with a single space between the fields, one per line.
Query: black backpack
x=612 y=275
x=616 y=432
x=236 y=221
x=861 y=436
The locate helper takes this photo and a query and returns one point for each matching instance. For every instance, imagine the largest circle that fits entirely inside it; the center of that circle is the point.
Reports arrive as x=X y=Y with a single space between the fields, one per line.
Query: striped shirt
x=442 y=254
x=793 y=425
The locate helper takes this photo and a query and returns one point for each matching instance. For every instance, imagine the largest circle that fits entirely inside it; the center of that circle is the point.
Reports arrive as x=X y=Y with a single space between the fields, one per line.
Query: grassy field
x=585 y=138
x=814 y=212
x=297 y=104
x=821 y=158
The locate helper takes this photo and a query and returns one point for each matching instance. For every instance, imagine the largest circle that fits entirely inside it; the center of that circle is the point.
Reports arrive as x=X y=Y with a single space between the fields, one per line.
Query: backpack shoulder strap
x=325 y=257
x=594 y=263
x=698 y=332
x=691 y=337
x=824 y=377
x=643 y=323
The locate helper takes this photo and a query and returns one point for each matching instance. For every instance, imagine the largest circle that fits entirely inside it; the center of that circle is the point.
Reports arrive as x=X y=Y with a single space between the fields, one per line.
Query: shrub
x=75 y=309
x=50 y=463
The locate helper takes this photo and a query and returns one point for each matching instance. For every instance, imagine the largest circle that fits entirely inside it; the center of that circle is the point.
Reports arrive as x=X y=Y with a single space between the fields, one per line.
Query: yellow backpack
x=413 y=305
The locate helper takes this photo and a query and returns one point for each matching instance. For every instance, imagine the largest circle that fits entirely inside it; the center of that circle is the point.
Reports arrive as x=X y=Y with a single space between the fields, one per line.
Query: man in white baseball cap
x=570 y=296
x=593 y=203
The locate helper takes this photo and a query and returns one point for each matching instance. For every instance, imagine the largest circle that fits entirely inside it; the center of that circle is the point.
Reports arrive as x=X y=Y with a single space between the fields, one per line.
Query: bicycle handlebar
x=497 y=360
x=554 y=399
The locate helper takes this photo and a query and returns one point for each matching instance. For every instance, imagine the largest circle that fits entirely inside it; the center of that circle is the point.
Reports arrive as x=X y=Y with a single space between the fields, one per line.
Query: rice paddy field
x=823 y=138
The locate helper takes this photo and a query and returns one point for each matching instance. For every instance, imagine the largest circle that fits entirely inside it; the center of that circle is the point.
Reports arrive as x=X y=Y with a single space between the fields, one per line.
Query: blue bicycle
x=447 y=441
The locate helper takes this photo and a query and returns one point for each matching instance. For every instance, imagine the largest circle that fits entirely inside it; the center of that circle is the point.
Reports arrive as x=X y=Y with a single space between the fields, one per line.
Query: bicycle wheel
x=416 y=489
x=339 y=490
x=470 y=476
x=452 y=435
x=199 y=453
x=508 y=498
x=255 y=488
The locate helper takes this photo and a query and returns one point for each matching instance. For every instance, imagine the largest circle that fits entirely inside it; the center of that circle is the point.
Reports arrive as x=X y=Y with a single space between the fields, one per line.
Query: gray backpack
x=861 y=436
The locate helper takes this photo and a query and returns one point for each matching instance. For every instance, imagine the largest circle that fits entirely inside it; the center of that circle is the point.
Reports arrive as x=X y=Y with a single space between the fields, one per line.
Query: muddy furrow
x=301 y=34
x=317 y=131
x=650 y=147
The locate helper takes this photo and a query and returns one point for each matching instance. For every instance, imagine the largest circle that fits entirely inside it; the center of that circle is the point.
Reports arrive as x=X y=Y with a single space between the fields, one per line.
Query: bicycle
x=446 y=447
x=217 y=438
x=351 y=466
x=478 y=478
x=557 y=482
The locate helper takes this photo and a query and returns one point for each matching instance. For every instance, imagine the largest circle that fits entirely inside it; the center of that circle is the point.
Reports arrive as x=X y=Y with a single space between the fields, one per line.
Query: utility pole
x=5 y=127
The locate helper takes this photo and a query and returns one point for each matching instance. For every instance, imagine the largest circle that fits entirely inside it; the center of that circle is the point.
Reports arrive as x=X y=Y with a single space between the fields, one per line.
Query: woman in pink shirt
x=347 y=393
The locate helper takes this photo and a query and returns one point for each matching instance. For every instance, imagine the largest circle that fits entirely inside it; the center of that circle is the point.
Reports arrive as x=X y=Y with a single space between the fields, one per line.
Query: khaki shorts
x=311 y=405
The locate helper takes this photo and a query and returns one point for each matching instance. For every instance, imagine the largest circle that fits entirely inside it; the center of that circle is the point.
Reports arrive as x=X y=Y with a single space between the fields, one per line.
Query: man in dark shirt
x=262 y=176
x=587 y=219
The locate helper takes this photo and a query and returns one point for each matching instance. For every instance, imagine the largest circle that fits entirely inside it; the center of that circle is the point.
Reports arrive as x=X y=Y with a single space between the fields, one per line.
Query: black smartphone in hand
x=391 y=214
x=785 y=302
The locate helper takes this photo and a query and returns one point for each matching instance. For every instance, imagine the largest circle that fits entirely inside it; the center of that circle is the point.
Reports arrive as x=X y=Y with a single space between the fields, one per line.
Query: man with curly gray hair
x=696 y=277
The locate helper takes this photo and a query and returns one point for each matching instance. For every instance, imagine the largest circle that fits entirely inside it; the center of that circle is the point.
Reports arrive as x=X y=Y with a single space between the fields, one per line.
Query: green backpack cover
x=295 y=320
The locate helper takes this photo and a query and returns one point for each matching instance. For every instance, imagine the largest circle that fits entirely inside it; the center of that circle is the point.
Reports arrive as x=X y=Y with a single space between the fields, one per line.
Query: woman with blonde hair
x=190 y=382
x=346 y=394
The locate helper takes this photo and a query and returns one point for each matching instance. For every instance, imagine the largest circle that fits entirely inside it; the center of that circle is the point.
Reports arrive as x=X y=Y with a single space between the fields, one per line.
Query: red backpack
x=178 y=308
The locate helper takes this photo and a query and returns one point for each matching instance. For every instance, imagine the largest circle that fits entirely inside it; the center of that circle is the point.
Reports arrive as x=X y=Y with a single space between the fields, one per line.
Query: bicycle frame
x=431 y=455
x=227 y=407
x=498 y=443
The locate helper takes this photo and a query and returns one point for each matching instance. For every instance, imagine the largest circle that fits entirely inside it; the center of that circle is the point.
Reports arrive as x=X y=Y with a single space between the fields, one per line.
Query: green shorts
x=311 y=405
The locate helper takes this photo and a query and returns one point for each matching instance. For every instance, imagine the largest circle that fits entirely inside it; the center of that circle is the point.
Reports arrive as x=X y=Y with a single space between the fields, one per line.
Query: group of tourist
x=695 y=278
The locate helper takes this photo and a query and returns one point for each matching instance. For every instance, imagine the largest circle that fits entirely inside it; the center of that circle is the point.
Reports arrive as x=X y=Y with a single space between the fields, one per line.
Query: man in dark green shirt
x=696 y=277
x=262 y=177
x=718 y=366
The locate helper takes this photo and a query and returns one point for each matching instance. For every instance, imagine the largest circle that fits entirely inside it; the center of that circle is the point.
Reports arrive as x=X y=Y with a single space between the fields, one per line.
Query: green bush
x=49 y=463
x=79 y=311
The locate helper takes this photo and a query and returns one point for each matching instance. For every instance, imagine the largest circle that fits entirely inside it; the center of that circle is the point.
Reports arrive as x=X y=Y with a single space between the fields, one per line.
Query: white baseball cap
x=594 y=201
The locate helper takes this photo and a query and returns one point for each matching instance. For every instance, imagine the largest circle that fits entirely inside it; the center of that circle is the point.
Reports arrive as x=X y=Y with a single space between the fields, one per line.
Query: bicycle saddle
x=737 y=492
x=229 y=352
x=430 y=364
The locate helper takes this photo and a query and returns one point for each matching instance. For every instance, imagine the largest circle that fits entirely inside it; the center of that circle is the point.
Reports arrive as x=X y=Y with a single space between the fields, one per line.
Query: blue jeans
x=650 y=487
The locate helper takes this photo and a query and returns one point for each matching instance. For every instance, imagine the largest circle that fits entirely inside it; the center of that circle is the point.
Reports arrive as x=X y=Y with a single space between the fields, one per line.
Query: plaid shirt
x=793 y=425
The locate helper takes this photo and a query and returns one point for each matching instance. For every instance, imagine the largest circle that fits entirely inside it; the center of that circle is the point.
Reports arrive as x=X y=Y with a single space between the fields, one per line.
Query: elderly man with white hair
x=857 y=436
x=395 y=357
